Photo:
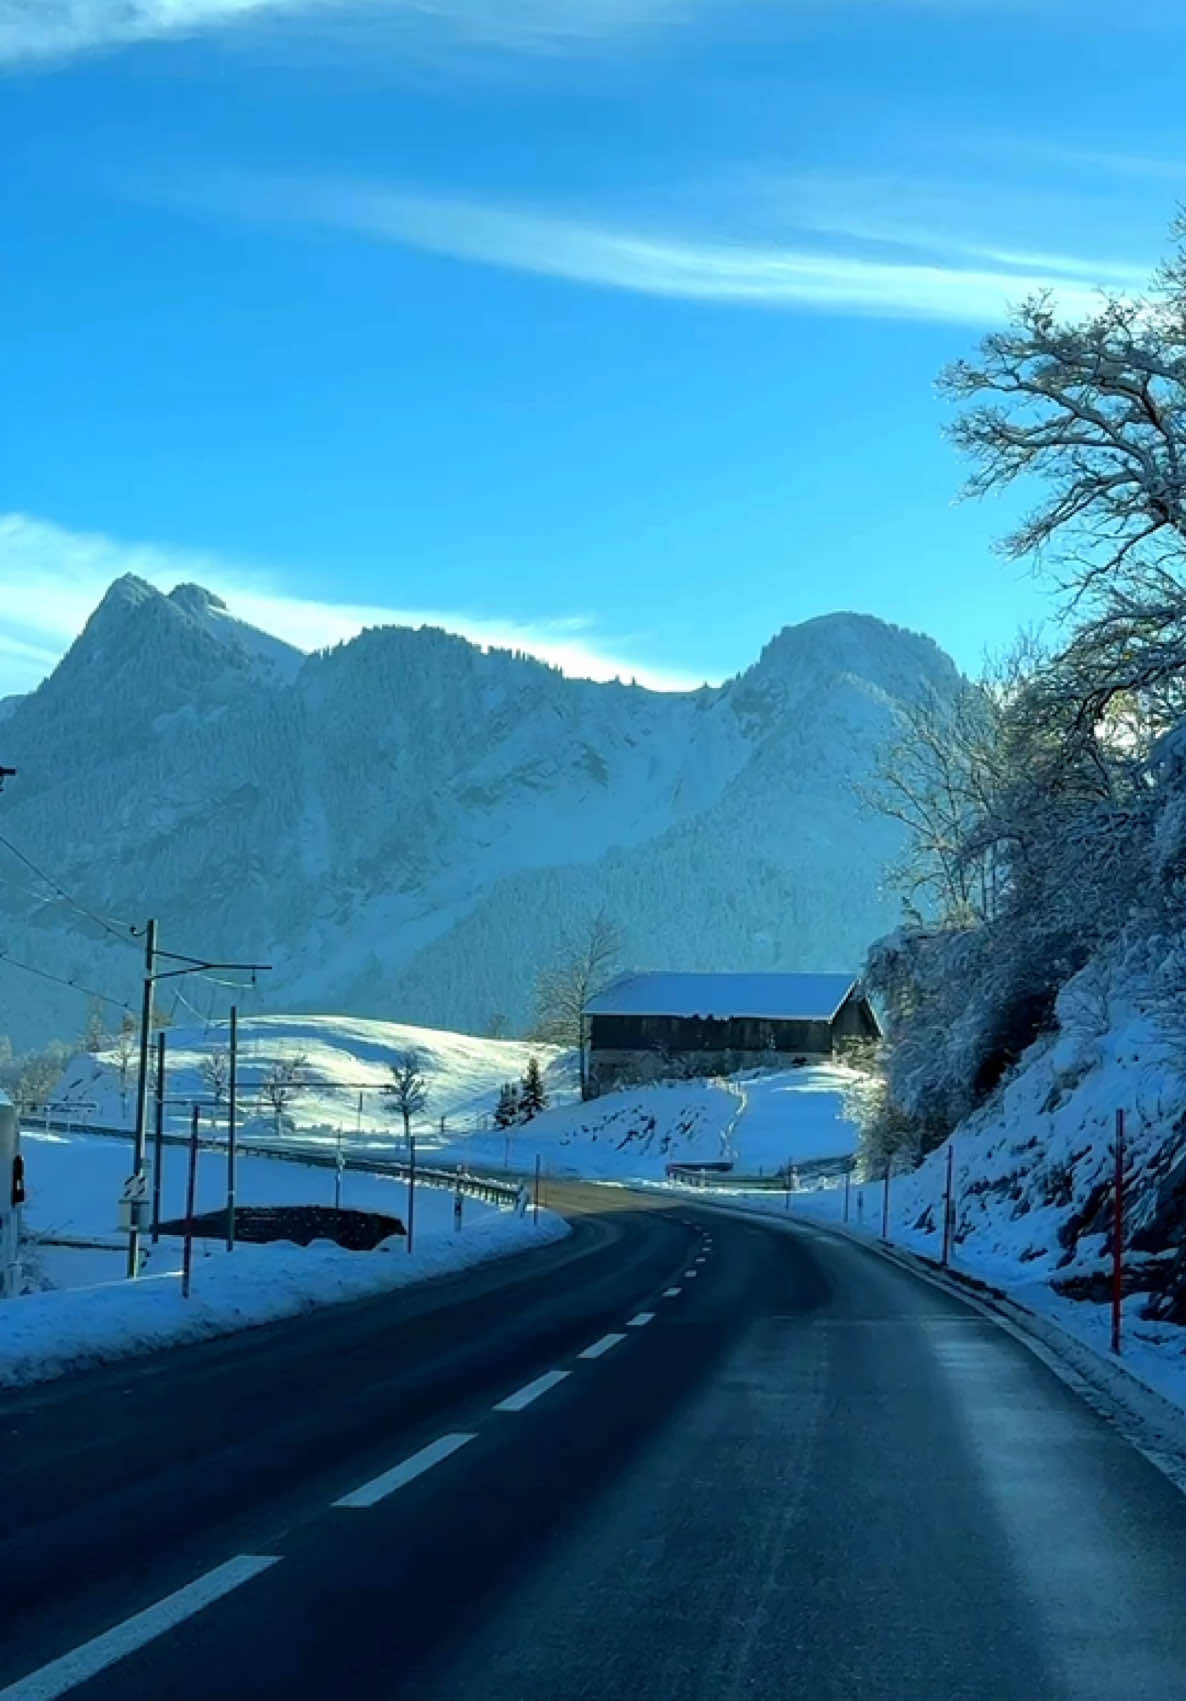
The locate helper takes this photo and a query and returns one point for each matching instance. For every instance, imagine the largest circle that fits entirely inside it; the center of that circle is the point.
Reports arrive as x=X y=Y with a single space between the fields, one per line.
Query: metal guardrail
x=504 y=1194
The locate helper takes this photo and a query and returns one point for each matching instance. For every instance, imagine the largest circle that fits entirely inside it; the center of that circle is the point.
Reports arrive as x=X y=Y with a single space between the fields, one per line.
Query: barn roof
x=801 y=998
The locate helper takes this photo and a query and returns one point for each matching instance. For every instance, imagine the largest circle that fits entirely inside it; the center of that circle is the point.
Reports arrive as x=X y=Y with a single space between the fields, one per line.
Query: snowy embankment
x=753 y=1122
x=92 y=1316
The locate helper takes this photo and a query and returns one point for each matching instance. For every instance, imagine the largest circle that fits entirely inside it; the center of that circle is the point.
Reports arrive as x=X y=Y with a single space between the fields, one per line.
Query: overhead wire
x=124 y=931
x=74 y=985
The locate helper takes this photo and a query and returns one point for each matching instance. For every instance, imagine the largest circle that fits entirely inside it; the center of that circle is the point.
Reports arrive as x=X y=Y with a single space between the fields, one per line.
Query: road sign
x=134 y=1211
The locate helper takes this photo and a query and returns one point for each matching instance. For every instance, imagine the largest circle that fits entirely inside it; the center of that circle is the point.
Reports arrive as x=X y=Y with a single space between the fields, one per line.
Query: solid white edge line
x=601 y=1346
x=670 y=1293
x=640 y=1319
x=414 y=1466
x=524 y=1396
x=95 y=1656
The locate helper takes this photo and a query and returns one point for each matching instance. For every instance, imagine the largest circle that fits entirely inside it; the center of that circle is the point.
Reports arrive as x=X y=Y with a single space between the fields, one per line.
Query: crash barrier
x=506 y=1195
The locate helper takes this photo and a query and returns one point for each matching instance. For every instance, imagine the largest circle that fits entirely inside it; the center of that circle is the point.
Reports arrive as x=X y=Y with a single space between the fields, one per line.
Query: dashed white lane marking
x=601 y=1346
x=670 y=1293
x=703 y=1259
x=639 y=1318
x=387 y=1483
x=102 y=1651
x=524 y=1396
x=690 y=1275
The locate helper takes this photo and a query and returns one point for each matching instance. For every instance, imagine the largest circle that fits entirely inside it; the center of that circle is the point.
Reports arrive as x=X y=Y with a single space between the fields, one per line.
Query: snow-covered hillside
x=340 y=1058
x=754 y=1121
x=405 y=825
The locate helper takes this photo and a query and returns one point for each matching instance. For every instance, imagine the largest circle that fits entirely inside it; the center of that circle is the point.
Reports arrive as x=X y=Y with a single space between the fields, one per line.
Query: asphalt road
x=805 y=1473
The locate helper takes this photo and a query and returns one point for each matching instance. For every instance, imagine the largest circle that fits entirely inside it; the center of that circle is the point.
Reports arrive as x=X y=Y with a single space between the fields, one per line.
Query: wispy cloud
x=56 y=29
x=49 y=29
x=927 y=277
x=53 y=578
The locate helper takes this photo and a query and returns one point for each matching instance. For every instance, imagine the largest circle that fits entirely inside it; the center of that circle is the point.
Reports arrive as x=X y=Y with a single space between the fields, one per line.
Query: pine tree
x=532 y=1098
x=506 y=1112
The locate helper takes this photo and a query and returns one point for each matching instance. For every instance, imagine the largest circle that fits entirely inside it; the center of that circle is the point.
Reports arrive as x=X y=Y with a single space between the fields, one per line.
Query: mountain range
x=406 y=825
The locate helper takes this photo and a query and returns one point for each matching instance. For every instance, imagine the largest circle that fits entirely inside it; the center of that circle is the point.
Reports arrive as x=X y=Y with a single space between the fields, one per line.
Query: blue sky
x=605 y=327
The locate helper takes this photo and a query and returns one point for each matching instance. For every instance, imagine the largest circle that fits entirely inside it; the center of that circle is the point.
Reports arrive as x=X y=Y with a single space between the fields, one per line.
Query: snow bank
x=92 y=1316
x=48 y=1334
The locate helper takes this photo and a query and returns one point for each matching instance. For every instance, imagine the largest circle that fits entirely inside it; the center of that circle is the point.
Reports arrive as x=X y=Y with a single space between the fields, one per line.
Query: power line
x=75 y=986
x=128 y=931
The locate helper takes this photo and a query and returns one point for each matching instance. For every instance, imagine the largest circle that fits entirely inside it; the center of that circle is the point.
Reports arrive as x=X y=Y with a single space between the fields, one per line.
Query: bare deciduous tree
x=125 y=1047
x=283 y=1081
x=215 y=1070
x=1096 y=411
x=583 y=967
x=408 y=1088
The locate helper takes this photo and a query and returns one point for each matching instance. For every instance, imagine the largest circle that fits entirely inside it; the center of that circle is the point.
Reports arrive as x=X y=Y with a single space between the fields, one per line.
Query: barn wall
x=652 y=1048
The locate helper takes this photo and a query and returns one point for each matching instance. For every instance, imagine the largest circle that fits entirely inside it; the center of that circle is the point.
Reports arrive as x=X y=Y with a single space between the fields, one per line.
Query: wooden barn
x=646 y=1026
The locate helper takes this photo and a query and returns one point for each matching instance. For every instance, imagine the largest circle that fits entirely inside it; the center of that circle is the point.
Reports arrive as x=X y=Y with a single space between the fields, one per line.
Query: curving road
x=682 y=1455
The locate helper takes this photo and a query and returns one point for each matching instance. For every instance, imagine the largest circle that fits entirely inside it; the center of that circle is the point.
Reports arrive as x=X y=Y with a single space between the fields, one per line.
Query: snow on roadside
x=92 y=1316
x=46 y=1335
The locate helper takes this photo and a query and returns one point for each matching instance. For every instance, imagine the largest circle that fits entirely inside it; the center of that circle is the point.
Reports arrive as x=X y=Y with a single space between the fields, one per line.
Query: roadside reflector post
x=948 y=1207
x=885 y=1206
x=191 y=1187
x=535 y=1196
x=1118 y=1236
x=456 y=1199
x=847 y=1186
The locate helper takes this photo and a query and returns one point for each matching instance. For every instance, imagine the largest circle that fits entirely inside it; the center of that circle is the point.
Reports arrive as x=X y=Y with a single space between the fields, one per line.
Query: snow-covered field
x=756 y=1121
x=93 y=1316
x=342 y=1058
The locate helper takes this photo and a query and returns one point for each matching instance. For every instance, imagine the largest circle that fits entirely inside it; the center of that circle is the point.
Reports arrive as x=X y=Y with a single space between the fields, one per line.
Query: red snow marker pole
x=885 y=1207
x=847 y=1188
x=1118 y=1236
x=947 y=1208
x=411 y=1186
x=535 y=1195
x=187 y=1256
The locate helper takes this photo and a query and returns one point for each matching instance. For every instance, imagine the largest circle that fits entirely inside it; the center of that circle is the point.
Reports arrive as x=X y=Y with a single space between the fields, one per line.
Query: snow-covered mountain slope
x=403 y=825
